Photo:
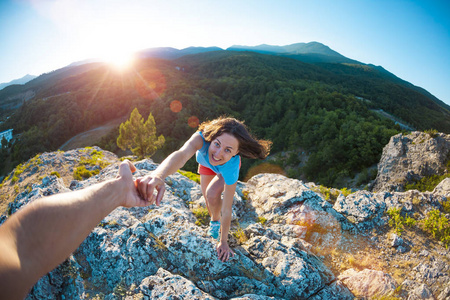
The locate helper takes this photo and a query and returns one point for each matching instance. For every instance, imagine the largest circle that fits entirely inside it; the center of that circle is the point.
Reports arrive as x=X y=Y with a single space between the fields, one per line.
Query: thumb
x=126 y=167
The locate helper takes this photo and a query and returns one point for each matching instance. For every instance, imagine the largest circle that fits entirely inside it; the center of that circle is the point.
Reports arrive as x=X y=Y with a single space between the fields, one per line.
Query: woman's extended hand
x=224 y=251
x=147 y=185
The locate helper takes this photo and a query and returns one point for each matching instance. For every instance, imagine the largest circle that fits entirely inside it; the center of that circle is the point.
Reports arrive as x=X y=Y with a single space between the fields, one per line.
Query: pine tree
x=138 y=136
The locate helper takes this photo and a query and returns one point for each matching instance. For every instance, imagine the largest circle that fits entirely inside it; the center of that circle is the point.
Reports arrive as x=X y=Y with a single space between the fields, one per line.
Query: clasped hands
x=142 y=191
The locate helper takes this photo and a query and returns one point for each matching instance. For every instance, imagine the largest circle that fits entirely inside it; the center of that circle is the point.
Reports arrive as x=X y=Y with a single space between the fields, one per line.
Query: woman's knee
x=213 y=195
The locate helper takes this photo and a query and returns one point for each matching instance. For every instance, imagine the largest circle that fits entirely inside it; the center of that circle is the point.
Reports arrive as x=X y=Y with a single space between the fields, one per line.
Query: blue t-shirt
x=229 y=170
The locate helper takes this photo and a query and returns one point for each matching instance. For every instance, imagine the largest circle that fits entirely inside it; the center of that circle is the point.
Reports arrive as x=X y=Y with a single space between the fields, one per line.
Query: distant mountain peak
x=22 y=80
x=312 y=52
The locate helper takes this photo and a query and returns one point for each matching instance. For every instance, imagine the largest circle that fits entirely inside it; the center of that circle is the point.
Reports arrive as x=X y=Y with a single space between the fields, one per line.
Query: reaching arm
x=223 y=250
x=41 y=235
x=146 y=185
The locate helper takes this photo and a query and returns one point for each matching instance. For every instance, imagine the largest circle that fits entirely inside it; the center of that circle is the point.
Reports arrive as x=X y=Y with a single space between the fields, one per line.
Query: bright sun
x=121 y=60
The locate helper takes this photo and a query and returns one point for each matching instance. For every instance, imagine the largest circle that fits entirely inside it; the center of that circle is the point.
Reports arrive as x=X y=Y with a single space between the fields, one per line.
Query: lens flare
x=176 y=106
x=318 y=228
x=150 y=83
x=193 y=121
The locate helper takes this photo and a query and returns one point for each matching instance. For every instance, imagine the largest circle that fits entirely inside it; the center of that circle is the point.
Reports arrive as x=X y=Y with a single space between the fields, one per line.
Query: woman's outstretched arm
x=147 y=184
x=41 y=235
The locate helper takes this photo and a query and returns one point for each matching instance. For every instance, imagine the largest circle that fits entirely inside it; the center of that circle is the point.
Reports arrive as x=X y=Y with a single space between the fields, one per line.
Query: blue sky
x=408 y=38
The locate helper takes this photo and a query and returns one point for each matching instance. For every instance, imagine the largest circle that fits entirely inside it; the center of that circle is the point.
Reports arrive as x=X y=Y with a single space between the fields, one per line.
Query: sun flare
x=120 y=60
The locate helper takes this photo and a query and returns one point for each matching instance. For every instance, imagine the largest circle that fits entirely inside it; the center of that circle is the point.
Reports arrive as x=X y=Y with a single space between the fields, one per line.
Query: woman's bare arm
x=223 y=250
x=146 y=185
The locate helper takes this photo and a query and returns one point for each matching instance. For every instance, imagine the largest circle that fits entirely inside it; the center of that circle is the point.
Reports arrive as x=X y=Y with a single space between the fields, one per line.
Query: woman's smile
x=222 y=149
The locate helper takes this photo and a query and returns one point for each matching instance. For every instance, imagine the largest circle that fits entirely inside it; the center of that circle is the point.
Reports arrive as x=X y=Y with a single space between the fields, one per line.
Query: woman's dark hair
x=249 y=146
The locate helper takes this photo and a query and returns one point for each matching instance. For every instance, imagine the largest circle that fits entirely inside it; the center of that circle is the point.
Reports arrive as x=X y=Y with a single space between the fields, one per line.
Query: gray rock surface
x=368 y=283
x=291 y=243
x=408 y=158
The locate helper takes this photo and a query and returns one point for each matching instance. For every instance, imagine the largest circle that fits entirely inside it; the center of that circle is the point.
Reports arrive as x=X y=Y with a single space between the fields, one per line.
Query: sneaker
x=214 y=229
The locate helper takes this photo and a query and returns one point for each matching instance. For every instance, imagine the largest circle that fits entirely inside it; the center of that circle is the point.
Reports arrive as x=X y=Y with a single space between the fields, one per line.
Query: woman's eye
x=228 y=150
x=216 y=144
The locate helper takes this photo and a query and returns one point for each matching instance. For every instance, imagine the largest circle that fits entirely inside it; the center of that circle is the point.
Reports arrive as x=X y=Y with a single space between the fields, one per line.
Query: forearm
x=227 y=204
x=225 y=223
x=44 y=233
x=171 y=164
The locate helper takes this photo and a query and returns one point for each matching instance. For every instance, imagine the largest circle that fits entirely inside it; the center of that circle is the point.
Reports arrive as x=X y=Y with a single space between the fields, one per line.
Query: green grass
x=261 y=220
x=434 y=224
x=240 y=235
x=202 y=216
x=438 y=226
x=55 y=173
x=190 y=175
x=94 y=159
x=432 y=133
x=81 y=173
x=398 y=222
x=426 y=183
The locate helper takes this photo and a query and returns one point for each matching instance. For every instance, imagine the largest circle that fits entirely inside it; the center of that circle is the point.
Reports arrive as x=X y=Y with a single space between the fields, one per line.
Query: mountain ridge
x=21 y=80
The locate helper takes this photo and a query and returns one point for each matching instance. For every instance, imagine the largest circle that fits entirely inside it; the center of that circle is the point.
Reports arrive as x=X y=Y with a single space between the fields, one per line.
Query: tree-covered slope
x=323 y=109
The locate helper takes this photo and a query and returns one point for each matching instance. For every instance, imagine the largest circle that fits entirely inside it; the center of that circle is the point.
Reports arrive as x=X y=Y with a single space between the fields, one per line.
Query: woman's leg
x=204 y=181
x=212 y=188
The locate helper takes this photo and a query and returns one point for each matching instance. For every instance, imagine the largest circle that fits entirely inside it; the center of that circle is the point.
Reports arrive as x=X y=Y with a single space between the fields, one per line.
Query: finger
x=131 y=165
x=160 y=195
x=124 y=169
x=149 y=192
x=142 y=186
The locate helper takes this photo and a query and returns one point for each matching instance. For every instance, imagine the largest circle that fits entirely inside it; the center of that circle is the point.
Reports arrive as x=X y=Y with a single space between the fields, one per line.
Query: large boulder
x=408 y=158
x=368 y=283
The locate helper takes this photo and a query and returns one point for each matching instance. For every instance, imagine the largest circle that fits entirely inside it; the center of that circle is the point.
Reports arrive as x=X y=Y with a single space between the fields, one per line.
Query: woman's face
x=222 y=149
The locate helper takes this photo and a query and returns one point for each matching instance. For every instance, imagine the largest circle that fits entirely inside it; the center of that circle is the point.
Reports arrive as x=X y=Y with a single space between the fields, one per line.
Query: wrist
x=157 y=176
x=113 y=192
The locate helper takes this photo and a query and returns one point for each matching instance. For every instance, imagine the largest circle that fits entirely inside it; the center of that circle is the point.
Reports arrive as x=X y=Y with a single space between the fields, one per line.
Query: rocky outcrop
x=289 y=243
x=409 y=158
x=368 y=283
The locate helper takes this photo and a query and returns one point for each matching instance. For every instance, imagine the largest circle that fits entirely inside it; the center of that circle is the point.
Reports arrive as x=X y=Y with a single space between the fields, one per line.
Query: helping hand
x=125 y=176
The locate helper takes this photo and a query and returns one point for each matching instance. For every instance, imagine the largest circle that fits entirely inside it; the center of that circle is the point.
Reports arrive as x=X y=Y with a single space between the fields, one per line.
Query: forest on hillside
x=322 y=110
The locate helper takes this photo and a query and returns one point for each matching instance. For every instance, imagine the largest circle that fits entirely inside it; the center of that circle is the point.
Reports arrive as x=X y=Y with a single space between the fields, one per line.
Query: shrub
x=438 y=226
x=427 y=183
x=81 y=173
x=202 y=216
x=432 y=133
x=346 y=191
x=397 y=221
x=240 y=235
x=446 y=206
x=55 y=173
x=95 y=159
x=262 y=220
